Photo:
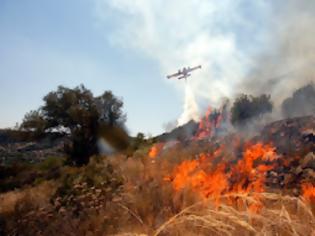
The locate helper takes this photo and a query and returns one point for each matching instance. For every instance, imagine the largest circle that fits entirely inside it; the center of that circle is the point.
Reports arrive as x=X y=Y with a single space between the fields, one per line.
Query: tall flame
x=209 y=124
x=155 y=150
x=247 y=175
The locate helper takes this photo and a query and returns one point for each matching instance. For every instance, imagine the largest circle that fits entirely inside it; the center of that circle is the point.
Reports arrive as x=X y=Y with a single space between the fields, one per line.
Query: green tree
x=35 y=123
x=247 y=107
x=110 y=109
x=81 y=115
x=301 y=103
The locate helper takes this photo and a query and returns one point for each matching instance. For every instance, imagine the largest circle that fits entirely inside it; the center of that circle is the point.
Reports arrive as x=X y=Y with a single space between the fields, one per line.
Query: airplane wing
x=184 y=76
x=174 y=75
x=194 y=68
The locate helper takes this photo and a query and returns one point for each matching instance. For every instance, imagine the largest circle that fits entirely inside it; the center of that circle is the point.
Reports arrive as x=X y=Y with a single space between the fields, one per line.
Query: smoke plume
x=243 y=46
x=187 y=33
x=287 y=63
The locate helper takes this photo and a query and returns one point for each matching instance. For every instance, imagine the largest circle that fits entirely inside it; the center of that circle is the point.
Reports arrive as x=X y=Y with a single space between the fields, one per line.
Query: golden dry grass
x=157 y=210
x=148 y=205
x=39 y=195
x=279 y=215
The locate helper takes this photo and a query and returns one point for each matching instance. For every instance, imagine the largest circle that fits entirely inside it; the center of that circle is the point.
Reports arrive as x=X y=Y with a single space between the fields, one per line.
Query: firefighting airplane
x=184 y=73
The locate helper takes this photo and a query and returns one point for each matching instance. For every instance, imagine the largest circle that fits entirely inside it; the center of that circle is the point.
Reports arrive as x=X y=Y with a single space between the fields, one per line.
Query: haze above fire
x=244 y=46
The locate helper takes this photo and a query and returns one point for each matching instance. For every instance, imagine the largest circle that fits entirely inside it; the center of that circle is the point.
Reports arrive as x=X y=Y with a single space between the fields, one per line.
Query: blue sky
x=127 y=47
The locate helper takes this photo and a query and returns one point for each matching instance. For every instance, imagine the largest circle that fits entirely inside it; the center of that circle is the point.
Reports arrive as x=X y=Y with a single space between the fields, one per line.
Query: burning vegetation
x=203 y=178
x=239 y=160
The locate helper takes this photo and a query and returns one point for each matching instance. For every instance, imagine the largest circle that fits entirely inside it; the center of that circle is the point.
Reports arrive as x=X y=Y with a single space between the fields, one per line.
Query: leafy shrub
x=301 y=103
x=51 y=163
x=246 y=108
x=18 y=175
x=89 y=181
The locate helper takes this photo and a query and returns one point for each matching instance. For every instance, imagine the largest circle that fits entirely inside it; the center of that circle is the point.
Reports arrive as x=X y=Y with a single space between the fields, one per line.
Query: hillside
x=15 y=147
x=206 y=184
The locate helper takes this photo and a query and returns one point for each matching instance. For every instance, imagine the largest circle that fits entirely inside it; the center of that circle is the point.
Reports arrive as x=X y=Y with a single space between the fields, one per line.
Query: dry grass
x=279 y=215
x=155 y=209
x=38 y=195
x=148 y=205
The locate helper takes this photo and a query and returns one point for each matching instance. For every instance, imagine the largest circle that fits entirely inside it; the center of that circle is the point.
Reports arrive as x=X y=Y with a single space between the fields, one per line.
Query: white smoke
x=287 y=63
x=222 y=37
x=181 y=33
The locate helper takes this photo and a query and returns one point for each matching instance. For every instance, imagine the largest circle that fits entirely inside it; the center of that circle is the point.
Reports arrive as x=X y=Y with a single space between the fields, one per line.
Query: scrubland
x=141 y=194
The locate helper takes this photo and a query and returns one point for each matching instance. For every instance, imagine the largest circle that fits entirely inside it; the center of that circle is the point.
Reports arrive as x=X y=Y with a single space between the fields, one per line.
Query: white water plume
x=190 y=107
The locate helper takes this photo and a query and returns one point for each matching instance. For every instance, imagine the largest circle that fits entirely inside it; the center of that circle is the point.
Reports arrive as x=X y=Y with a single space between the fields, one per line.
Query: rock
x=62 y=210
x=288 y=178
x=98 y=191
x=309 y=135
x=77 y=186
x=50 y=215
x=308 y=161
x=108 y=189
x=310 y=173
x=273 y=173
x=298 y=170
x=116 y=199
x=295 y=192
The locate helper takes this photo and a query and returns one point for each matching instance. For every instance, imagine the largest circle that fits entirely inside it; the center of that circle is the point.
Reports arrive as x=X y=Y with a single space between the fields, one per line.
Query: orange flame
x=208 y=124
x=205 y=126
x=155 y=150
x=246 y=176
x=308 y=192
x=184 y=174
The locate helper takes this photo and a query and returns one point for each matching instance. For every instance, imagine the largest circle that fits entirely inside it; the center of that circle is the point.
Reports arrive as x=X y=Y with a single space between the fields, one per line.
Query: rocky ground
x=13 y=150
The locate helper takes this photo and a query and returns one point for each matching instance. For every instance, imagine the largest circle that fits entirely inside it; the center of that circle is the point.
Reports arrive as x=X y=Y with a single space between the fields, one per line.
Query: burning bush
x=210 y=180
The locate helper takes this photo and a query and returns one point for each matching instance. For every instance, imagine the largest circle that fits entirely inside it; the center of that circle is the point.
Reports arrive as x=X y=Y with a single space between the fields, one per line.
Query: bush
x=87 y=181
x=247 y=107
x=34 y=123
x=51 y=163
x=301 y=103
x=19 y=175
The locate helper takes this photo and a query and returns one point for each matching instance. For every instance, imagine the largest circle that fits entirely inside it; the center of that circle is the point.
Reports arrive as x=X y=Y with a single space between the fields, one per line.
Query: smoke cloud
x=287 y=63
x=186 y=33
x=243 y=46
